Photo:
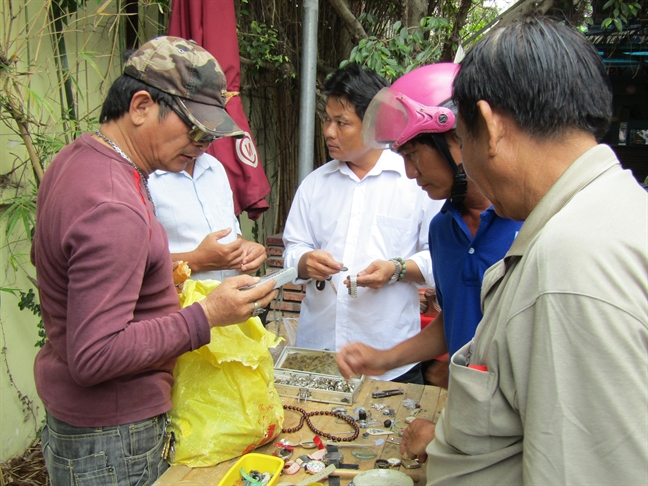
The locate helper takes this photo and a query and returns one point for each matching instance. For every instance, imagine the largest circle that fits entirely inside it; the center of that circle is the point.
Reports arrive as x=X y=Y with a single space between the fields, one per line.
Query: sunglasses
x=195 y=134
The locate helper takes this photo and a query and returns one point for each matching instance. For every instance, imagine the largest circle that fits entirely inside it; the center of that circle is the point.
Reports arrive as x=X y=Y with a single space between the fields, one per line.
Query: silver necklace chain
x=130 y=161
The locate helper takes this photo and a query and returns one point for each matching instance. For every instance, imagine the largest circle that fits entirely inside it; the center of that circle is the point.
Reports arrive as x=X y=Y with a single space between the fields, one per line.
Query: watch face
x=315 y=466
x=334 y=456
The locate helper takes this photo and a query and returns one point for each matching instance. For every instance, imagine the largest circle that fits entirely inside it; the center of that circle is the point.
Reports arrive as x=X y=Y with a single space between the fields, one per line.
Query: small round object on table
x=381 y=464
x=314 y=467
x=394 y=462
x=334 y=458
x=364 y=453
x=284 y=453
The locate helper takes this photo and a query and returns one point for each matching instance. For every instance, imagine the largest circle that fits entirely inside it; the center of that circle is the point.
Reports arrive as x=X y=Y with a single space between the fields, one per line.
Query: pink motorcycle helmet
x=418 y=102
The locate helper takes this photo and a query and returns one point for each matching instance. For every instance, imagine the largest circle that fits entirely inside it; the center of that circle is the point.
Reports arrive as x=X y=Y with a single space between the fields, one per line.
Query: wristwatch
x=397 y=270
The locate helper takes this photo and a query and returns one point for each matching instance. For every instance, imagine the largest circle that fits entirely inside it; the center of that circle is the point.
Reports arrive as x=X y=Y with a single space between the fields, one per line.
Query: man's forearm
x=190 y=258
x=413 y=272
x=302 y=271
x=426 y=345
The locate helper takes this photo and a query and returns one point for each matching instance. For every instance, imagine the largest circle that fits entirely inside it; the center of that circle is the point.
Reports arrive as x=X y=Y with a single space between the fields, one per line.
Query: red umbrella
x=212 y=24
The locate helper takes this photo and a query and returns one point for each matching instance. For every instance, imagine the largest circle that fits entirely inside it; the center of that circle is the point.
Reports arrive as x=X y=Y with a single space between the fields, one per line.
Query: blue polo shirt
x=459 y=262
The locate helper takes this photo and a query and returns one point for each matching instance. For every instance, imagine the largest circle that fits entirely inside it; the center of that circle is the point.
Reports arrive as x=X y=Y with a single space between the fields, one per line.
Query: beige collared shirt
x=565 y=341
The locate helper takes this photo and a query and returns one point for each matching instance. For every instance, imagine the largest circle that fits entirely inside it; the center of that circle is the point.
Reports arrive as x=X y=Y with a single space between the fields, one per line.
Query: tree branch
x=285 y=68
x=454 y=39
x=350 y=21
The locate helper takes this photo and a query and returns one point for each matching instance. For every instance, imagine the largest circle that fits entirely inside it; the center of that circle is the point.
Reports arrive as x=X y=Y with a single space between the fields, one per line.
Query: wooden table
x=431 y=399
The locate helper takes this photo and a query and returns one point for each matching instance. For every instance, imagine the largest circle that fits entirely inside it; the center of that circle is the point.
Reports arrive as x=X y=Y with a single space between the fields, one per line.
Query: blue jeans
x=123 y=455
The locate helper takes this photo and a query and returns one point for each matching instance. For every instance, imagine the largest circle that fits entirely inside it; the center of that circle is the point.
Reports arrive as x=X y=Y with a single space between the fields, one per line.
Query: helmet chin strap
x=460 y=184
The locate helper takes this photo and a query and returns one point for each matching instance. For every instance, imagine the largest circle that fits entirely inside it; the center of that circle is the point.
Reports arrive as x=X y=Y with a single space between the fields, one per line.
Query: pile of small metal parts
x=321 y=363
x=316 y=382
x=253 y=478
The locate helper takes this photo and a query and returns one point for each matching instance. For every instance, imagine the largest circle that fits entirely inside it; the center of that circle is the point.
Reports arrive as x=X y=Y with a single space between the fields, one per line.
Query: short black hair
x=356 y=84
x=120 y=94
x=544 y=74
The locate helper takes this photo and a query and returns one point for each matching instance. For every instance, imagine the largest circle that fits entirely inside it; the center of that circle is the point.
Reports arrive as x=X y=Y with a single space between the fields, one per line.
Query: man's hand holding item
x=212 y=255
x=254 y=254
x=226 y=304
x=380 y=272
x=375 y=275
x=416 y=437
x=357 y=359
x=318 y=265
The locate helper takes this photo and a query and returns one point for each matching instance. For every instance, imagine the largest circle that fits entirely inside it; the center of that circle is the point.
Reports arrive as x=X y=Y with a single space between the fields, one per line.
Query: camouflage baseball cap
x=192 y=76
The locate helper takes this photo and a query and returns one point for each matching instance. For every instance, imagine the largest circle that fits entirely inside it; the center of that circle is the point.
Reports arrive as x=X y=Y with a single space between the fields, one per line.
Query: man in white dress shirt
x=196 y=208
x=359 y=211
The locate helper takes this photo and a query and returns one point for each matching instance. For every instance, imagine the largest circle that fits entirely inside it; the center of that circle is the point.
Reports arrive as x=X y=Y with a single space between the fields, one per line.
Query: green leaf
x=608 y=4
x=88 y=56
x=617 y=24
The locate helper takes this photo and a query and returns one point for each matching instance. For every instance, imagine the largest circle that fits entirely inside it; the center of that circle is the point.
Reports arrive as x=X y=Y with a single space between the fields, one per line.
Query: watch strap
x=334 y=481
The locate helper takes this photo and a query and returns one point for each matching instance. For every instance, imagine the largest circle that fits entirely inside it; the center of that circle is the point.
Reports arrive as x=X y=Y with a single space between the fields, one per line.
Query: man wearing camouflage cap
x=109 y=305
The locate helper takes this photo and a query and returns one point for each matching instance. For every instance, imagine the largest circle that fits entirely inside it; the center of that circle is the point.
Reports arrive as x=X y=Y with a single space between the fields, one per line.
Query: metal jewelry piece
x=387 y=393
x=381 y=464
x=379 y=432
x=353 y=289
x=410 y=463
x=258 y=310
x=130 y=161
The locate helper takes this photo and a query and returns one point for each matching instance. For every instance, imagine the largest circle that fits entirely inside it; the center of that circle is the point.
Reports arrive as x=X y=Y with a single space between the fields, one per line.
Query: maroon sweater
x=110 y=309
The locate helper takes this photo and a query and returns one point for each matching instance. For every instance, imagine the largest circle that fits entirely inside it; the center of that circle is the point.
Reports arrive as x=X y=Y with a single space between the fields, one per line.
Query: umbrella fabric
x=212 y=24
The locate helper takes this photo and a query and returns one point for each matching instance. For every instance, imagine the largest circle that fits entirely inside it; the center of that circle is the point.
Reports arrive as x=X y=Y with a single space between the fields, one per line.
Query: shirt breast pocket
x=480 y=419
x=391 y=237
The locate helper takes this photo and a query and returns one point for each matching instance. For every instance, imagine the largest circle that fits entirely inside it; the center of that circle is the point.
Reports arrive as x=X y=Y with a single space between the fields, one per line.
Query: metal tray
x=307 y=384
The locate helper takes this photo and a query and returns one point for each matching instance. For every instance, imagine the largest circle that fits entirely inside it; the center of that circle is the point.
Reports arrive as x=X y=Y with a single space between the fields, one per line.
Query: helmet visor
x=385 y=119
x=393 y=119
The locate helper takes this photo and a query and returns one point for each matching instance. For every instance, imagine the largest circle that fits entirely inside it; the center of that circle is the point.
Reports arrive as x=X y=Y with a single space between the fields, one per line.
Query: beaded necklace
x=130 y=161
x=305 y=417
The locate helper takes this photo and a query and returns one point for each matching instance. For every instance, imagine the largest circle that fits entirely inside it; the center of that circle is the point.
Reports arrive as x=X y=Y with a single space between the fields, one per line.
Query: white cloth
x=382 y=216
x=564 y=339
x=190 y=208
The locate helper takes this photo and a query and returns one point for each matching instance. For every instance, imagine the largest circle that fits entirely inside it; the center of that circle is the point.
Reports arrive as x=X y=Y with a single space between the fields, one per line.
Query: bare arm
x=378 y=273
x=356 y=359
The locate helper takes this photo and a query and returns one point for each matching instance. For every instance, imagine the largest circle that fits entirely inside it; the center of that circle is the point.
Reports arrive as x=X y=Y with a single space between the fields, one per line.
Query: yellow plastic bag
x=224 y=400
